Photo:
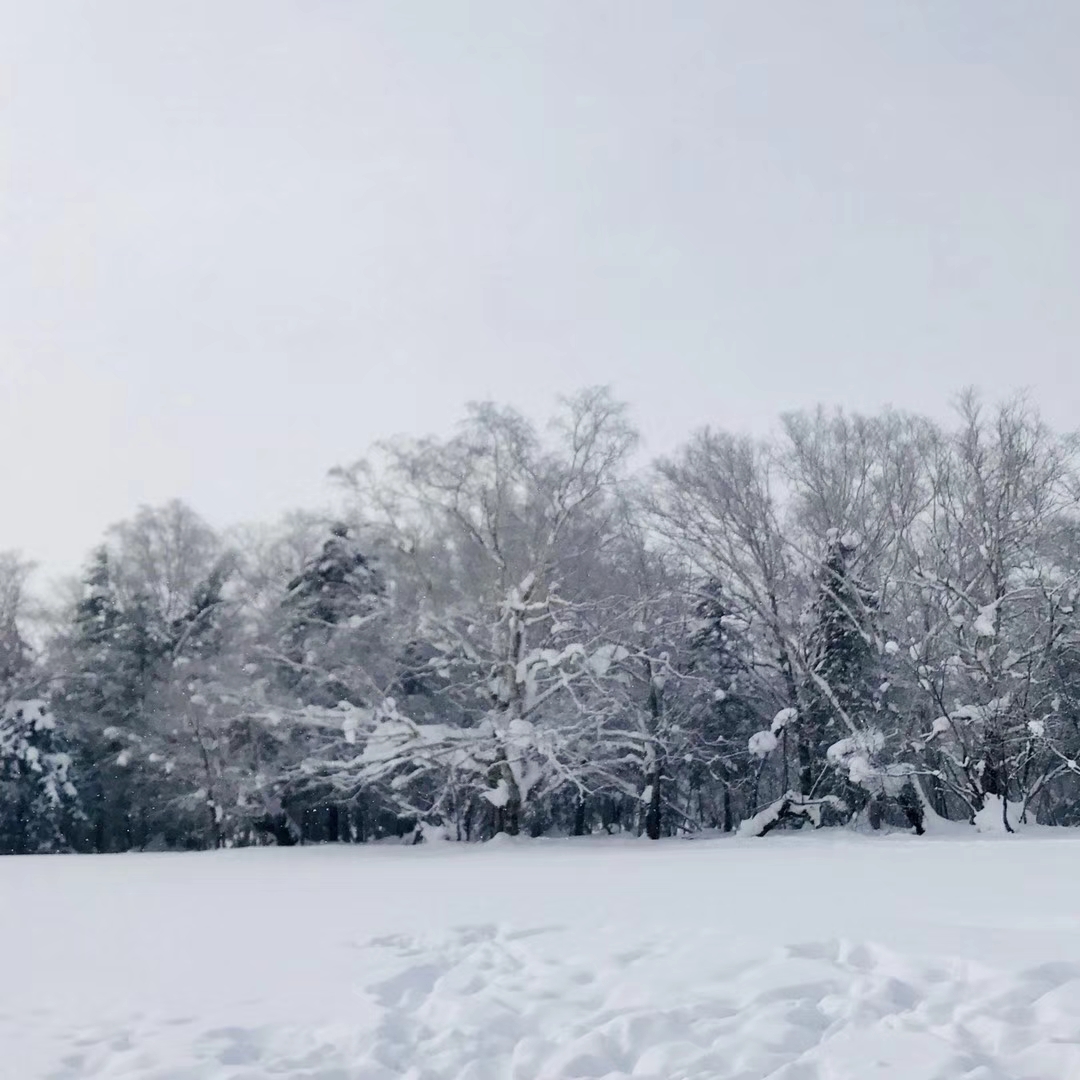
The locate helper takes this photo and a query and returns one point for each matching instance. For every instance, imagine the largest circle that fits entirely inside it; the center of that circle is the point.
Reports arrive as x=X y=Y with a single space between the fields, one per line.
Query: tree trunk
x=652 y=814
x=912 y=808
x=655 y=774
x=101 y=839
x=579 y=817
x=215 y=826
x=806 y=766
x=508 y=816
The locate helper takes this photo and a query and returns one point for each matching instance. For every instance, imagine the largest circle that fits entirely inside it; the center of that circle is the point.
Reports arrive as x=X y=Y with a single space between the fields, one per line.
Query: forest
x=861 y=621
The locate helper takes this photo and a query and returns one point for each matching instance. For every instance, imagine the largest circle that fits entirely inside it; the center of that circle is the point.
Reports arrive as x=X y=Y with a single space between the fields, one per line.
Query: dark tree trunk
x=912 y=808
x=579 y=818
x=101 y=836
x=277 y=826
x=508 y=818
x=656 y=710
x=806 y=766
x=652 y=814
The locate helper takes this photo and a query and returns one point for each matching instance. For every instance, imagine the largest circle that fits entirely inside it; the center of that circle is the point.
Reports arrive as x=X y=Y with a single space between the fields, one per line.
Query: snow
x=498 y=795
x=984 y=624
x=799 y=956
x=602 y=658
x=783 y=718
x=790 y=805
x=351 y=724
x=991 y=818
x=762 y=743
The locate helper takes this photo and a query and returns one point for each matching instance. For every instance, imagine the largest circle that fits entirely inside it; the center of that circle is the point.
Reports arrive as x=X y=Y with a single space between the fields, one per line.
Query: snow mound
x=991 y=818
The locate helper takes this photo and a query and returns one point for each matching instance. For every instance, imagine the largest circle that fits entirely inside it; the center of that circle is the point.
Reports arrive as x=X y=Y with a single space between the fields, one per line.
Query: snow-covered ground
x=802 y=957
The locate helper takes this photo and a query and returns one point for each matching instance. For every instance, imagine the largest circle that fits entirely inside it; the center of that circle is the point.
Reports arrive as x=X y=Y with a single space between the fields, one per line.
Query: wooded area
x=516 y=629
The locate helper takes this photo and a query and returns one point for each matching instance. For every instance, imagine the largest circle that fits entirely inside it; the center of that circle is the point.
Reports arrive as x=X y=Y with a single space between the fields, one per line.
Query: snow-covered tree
x=991 y=607
x=148 y=609
x=860 y=619
x=486 y=526
x=37 y=796
x=841 y=695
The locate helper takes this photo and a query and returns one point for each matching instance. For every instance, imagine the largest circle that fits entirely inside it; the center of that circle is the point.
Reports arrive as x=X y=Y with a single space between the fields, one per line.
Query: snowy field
x=816 y=957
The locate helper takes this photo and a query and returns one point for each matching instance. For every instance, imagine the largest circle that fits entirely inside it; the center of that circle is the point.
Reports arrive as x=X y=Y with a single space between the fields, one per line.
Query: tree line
x=865 y=620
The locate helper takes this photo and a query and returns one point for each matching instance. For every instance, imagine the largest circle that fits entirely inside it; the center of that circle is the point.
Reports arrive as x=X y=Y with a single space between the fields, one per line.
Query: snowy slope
x=815 y=957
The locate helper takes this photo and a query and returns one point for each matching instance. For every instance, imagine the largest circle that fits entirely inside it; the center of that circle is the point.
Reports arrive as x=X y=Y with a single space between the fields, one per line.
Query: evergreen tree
x=199 y=633
x=723 y=710
x=841 y=690
x=199 y=722
x=111 y=656
x=117 y=647
x=37 y=796
x=15 y=654
x=328 y=610
x=330 y=650
x=338 y=585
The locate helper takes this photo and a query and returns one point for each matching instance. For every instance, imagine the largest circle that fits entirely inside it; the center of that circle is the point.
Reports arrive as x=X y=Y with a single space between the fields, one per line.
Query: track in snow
x=482 y=1004
x=795 y=958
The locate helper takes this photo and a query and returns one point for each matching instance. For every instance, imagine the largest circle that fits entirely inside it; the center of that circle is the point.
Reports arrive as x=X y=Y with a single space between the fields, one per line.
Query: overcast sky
x=240 y=241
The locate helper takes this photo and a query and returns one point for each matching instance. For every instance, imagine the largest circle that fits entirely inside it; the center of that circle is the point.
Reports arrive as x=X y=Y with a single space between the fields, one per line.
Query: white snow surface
x=762 y=743
x=794 y=957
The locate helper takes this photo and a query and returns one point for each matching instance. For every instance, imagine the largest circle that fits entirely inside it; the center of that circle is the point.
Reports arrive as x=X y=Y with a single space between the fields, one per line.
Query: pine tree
x=336 y=586
x=198 y=633
x=198 y=717
x=113 y=653
x=37 y=796
x=117 y=646
x=327 y=607
x=15 y=655
x=722 y=712
x=840 y=692
x=331 y=650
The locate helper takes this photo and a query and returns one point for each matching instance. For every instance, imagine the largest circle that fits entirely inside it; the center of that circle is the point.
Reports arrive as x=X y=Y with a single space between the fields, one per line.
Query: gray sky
x=240 y=241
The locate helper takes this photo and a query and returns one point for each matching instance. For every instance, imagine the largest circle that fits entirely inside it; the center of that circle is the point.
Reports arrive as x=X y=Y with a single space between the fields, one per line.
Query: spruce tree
x=327 y=608
x=331 y=652
x=722 y=715
x=842 y=666
x=37 y=796
x=113 y=652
